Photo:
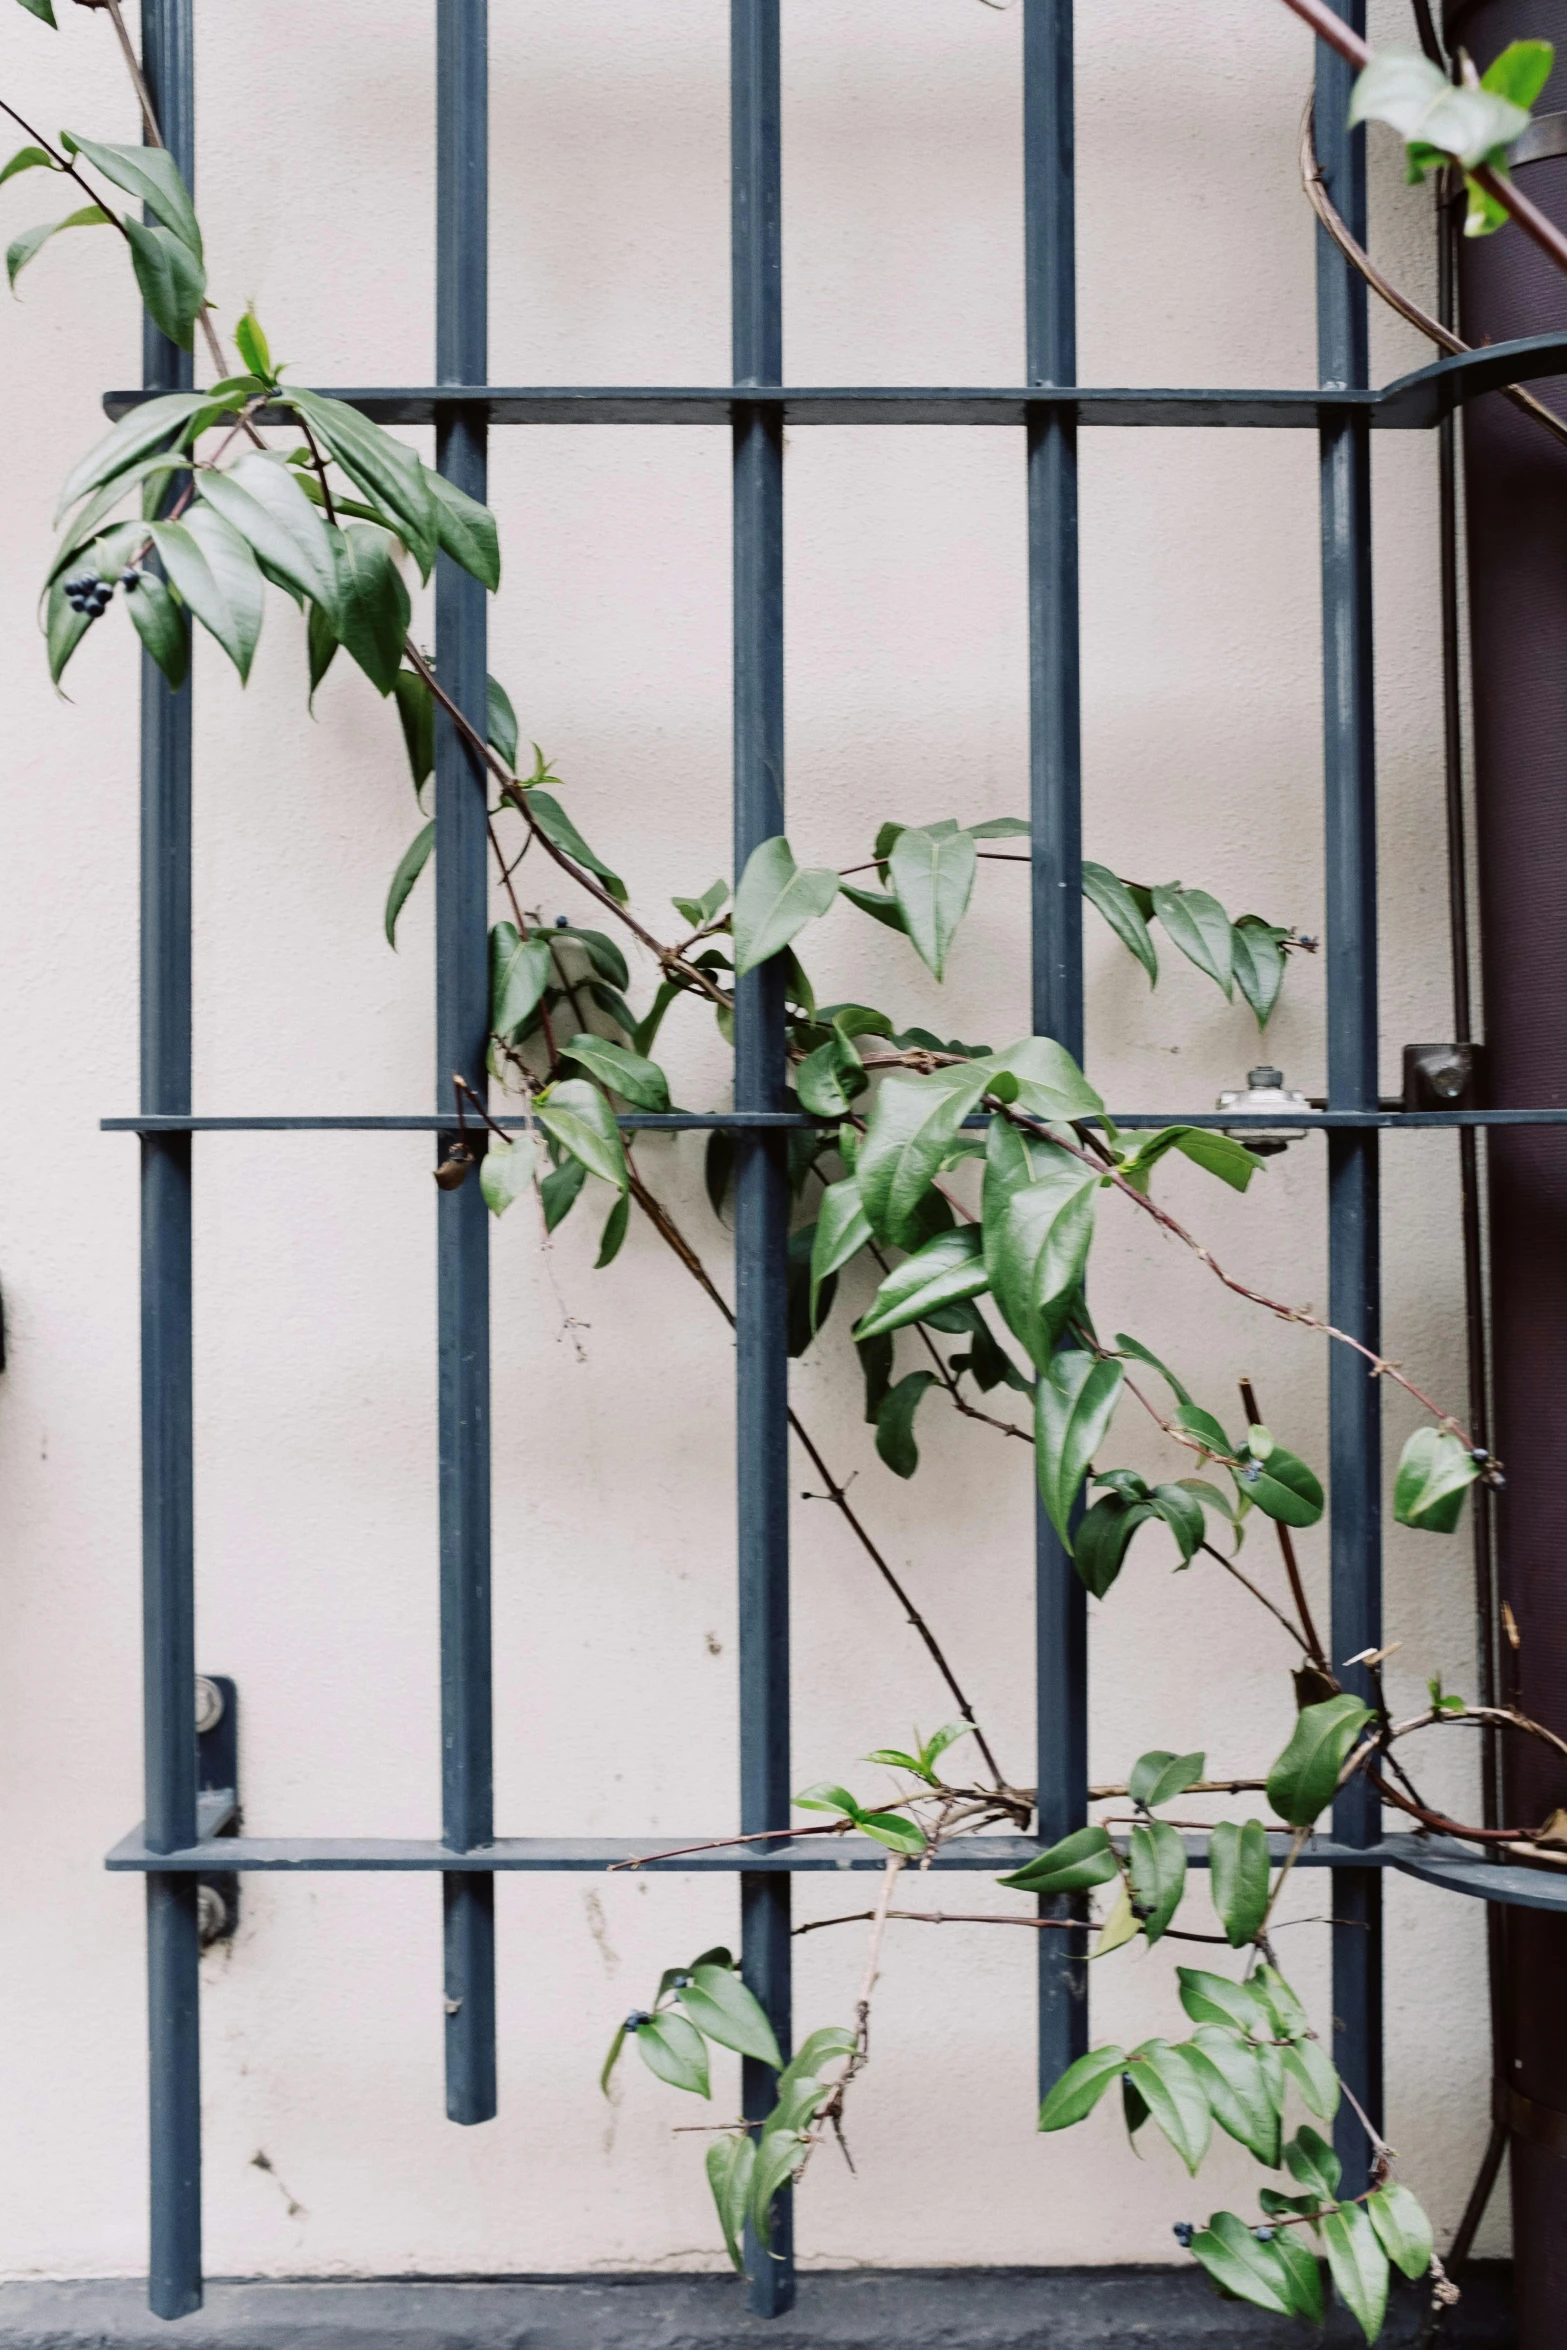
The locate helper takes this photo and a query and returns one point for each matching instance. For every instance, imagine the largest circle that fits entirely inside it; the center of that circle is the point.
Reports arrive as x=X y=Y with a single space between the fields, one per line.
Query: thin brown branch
x=1259 y=1595
x=1197 y=1787
x=63 y=163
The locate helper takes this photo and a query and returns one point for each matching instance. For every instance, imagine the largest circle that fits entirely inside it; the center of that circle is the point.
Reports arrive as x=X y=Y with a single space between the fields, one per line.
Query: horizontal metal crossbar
x=704 y=1121
x=1413 y=403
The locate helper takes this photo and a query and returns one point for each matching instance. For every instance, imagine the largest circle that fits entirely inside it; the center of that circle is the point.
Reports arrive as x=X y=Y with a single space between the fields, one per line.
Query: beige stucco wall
x=614 y=1619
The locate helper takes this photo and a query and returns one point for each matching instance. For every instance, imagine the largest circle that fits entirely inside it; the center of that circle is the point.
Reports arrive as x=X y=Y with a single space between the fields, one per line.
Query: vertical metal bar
x=168 y=1541
x=761 y=1180
x=1354 y=1241
x=462 y=1026
x=1055 y=815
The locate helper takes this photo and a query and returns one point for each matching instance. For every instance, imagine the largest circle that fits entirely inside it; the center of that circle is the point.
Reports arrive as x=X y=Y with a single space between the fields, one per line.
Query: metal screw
x=209 y=1705
x=212 y=1915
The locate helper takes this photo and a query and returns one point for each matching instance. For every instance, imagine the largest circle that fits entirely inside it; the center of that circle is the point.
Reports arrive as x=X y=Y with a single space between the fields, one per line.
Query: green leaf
x=1282 y=1487
x=731 y=2163
x=64 y=631
x=1037 y=1238
x=1108 y=893
x=1158 y=1777
x=1290 y=2019
x=1257 y=954
x=152 y=176
x=1217 y=1154
x=385 y=469
x=43 y=9
x=465 y=530
x=1182 y=1513
x=414 y=859
x=1080 y=1860
x=1080 y=2088
x=841 y=1232
x=144 y=430
x=721 y=2007
x=640 y=1082
x=215 y=574
x=416 y=713
x=505 y=1173
x=1240 y=2265
x=898 y=1835
x=501 y=723
x=1214 y=1999
x=829 y=1078
x=1301 y=1782
x=801 y=1322
x=1435 y=1471
x=1309 y=2066
x=1206 y=1429
x=576 y=1114
x=774 y=901
x=1200 y=927
x=161 y=625
x=1403 y=2229
x=252 y=346
x=1237 y=2090
x=676 y=2051
x=172 y=280
x=1415 y=98
x=520 y=971
x=558 y=829
x=895 y=1422
x=1119 y=1928
x=1359 y=2266
x=261 y=499
x=1521 y=72
x=1238 y=1877
x=1144 y=1354
x=827 y=2041
x=373 y=603
x=1073 y=1407
x=322 y=645
x=1171 y=2088
x=1304 y=2272
x=778 y=2158
x=948 y=1268
x=912 y=1124
x=27 y=158
x=32 y=240
x=560 y=1191
x=1050 y=1085
x=876 y=903
x=613 y=2058
x=932 y=872
x=1313 y=2162
x=1157 y=1862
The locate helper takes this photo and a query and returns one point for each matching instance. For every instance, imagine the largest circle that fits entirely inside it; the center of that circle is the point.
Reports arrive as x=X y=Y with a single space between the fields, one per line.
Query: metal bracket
x=1443 y=1076
x=217 y=1799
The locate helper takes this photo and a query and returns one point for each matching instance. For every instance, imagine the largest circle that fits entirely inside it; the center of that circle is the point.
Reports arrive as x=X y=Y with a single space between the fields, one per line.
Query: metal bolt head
x=209 y=1705
x=212 y=1915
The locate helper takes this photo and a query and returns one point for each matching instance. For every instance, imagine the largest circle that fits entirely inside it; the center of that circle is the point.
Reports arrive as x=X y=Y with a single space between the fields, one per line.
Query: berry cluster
x=90 y=594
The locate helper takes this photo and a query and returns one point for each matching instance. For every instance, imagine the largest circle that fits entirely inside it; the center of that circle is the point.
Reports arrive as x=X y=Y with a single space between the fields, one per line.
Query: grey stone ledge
x=861 y=2309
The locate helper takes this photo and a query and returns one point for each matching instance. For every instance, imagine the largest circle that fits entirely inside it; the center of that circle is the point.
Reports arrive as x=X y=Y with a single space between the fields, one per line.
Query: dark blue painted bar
x=462 y=1025
x=1056 y=876
x=761 y=1182
x=704 y=1121
x=1354 y=1245
x=168 y=1533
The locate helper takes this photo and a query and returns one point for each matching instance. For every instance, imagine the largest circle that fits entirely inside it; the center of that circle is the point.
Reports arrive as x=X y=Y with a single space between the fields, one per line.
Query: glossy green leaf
x=1217 y=1154
x=912 y=1123
x=1119 y=1927
x=1144 y=1354
x=774 y=901
x=1415 y=98
x=1304 y=2272
x=1313 y=2162
x=638 y=1081
x=520 y=971
x=1435 y=1471
x=322 y=647
x=152 y=176
x=32 y=240
x=676 y=2051
x=576 y=1114
x=1157 y=1862
x=1403 y=2229
x=560 y=1190
x=1109 y=895
x=413 y=862
x=899 y=1835
x=172 y=281
x=1206 y=1429
x=416 y=715
x=822 y=2045
x=64 y=630
x=1239 y=1878
x=1080 y=2088
x=1050 y=1085
x=373 y=603
x=1311 y=2069
x=1037 y=1238
x=1171 y=2088
x=216 y=576
x=1214 y=1999
x=262 y=500
x=1158 y=1777
x=841 y=1232
x=44 y=10
x=1200 y=927
x=1282 y=1487
x=386 y=469
x=1359 y=2266
x=161 y=625
x=1302 y=1781
x=1236 y=2088
x=252 y=345
x=1257 y=955
x=501 y=722
x=1238 y=2263
x=1074 y=1404
x=932 y=875
x=1083 y=1859
x=27 y=159
x=828 y=1079
x=778 y=2158
x=1289 y=2017
x=895 y=1422
x=876 y=903
x=1182 y=1513
x=558 y=829
x=505 y=1173
x=721 y=2008
x=465 y=530
x=948 y=1268
x=731 y=2163
x=145 y=429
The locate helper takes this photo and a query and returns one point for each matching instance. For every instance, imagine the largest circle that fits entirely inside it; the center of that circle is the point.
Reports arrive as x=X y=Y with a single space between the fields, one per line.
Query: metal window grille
x=182 y=1836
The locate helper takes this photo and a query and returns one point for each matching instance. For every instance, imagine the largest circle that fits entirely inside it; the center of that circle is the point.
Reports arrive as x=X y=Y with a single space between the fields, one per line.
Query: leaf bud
x=452 y=1172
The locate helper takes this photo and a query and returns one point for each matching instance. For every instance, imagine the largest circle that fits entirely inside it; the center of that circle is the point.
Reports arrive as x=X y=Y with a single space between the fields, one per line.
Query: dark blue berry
x=130 y=579
x=637 y=2018
x=1263 y=2235
x=681 y=1982
x=561 y=922
x=1183 y=2232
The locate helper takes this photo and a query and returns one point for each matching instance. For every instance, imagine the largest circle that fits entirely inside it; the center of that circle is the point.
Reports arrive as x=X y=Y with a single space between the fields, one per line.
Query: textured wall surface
x=614 y=1629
